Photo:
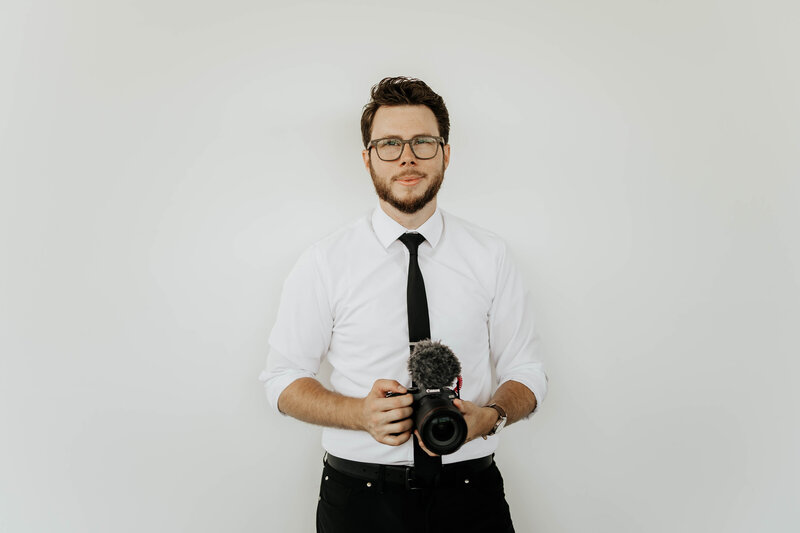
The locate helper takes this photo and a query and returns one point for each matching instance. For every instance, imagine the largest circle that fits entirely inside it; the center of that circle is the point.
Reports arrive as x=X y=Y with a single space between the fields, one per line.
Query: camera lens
x=441 y=425
x=442 y=429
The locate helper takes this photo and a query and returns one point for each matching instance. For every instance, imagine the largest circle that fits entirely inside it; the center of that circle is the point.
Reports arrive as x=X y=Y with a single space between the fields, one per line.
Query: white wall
x=164 y=162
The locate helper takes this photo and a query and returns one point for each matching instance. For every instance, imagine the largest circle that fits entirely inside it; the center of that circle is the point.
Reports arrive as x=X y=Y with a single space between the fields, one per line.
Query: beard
x=409 y=204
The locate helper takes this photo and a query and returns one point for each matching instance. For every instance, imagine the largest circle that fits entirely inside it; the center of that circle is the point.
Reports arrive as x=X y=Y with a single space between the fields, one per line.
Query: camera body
x=441 y=425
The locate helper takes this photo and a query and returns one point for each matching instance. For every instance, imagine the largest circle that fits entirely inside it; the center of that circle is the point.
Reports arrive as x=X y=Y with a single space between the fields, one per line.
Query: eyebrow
x=412 y=137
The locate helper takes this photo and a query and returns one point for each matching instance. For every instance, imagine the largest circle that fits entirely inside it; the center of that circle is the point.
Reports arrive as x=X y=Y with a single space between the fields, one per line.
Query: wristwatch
x=501 y=420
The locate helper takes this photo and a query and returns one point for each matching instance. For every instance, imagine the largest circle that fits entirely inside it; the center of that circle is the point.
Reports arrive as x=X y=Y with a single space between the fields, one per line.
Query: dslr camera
x=441 y=425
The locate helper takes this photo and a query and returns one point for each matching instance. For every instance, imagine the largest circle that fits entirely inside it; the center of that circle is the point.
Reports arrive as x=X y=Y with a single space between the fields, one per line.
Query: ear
x=446 y=153
x=365 y=157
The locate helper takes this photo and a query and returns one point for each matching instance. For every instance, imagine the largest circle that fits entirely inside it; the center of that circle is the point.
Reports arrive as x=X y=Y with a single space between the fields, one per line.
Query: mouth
x=409 y=180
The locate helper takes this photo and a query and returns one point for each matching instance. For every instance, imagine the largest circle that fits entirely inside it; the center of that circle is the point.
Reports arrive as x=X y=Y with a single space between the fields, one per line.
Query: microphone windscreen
x=433 y=365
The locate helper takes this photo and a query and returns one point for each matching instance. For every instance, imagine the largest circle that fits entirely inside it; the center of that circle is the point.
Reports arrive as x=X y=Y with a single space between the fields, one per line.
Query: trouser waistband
x=404 y=475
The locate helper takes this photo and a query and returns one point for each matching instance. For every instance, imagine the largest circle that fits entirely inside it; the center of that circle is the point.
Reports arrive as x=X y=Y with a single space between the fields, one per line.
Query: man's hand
x=480 y=421
x=387 y=419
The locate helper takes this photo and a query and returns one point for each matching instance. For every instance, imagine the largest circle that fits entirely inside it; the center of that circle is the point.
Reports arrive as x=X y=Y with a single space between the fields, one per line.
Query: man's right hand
x=387 y=419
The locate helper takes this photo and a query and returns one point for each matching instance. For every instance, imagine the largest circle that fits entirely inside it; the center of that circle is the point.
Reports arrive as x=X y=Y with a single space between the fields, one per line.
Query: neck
x=409 y=221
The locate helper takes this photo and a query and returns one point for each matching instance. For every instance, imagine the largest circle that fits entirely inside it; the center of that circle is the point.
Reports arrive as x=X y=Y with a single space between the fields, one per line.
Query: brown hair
x=401 y=90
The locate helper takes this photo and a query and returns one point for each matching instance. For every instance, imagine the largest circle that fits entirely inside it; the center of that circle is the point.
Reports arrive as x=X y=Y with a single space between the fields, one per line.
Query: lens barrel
x=441 y=425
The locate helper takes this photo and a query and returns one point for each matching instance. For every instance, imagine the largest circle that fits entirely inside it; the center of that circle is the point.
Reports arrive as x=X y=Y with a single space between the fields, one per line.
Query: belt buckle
x=410 y=479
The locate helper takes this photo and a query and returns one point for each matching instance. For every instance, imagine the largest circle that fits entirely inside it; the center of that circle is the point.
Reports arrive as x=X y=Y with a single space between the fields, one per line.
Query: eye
x=389 y=142
x=424 y=140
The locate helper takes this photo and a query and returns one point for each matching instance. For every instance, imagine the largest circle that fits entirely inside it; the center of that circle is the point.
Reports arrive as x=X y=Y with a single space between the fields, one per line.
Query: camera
x=441 y=425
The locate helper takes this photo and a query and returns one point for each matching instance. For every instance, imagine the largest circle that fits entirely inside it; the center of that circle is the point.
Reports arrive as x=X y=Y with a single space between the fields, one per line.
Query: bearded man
x=405 y=272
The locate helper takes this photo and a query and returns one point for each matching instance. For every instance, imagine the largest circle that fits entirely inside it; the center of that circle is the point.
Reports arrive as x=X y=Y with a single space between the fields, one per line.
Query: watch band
x=501 y=420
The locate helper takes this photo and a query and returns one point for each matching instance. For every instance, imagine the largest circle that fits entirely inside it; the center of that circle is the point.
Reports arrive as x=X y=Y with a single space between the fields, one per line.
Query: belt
x=403 y=475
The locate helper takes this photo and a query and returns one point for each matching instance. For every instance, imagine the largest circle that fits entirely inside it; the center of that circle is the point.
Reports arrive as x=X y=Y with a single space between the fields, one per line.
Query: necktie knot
x=412 y=241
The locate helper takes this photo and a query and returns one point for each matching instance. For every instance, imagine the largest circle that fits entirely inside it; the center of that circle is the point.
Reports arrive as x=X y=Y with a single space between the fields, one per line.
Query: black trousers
x=472 y=504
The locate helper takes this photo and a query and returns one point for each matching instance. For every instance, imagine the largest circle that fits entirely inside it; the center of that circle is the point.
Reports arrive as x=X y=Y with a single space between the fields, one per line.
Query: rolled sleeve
x=279 y=374
x=514 y=343
x=302 y=332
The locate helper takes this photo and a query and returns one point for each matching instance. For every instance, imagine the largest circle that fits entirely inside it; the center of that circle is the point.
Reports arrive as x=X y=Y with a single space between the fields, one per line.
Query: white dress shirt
x=345 y=299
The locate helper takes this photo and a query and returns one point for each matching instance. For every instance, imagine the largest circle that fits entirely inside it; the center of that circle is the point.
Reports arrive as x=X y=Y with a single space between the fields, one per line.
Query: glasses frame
x=440 y=141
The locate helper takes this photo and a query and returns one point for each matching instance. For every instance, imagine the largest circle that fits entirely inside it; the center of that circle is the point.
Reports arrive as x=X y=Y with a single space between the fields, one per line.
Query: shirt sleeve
x=514 y=343
x=302 y=332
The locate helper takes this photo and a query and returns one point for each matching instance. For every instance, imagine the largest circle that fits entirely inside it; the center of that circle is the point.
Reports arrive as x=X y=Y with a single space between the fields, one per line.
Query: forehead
x=405 y=121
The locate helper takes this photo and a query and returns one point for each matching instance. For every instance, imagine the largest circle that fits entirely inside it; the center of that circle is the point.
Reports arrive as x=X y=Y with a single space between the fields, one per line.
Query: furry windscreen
x=433 y=365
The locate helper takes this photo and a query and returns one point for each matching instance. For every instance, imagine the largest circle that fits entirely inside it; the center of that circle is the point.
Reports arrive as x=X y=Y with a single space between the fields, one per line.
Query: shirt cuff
x=538 y=386
x=276 y=382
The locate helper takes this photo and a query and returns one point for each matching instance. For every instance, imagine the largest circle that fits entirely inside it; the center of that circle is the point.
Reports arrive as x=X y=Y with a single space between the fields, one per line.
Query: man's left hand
x=480 y=421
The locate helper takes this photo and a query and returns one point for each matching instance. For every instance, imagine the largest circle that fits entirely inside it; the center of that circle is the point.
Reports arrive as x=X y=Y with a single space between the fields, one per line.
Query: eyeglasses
x=423 y=147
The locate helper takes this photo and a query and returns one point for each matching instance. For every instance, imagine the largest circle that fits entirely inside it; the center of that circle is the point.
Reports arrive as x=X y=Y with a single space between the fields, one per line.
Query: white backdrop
x=164 y=163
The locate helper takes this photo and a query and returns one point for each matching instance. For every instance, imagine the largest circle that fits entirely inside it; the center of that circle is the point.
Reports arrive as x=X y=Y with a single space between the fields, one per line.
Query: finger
x=464 y=406
x=388 y=405
x=396 y=402
x=396 y=415
x=396 y=440
x=401 y=426
x=382 y=386
x=401 y=413
x=422 y=445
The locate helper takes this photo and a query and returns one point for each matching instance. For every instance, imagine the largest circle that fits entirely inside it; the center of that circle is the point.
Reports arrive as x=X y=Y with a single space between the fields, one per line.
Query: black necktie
x=419 y=328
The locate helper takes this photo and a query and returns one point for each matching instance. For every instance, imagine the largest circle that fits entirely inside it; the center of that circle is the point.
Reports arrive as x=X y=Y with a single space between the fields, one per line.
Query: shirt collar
x=388 y=230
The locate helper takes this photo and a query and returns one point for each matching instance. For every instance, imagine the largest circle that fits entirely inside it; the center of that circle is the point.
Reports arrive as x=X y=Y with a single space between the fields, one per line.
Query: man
x=349 y=298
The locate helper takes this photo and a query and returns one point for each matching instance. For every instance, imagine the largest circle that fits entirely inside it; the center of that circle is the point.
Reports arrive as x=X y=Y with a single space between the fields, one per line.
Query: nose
x=407 y=156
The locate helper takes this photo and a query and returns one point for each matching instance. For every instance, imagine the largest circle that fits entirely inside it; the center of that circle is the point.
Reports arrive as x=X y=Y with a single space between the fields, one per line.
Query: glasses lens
x=389 y=149
x=425 y=147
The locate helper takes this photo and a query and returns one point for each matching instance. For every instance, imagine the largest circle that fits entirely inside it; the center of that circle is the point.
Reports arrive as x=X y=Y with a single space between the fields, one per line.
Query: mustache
x=409 y=173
